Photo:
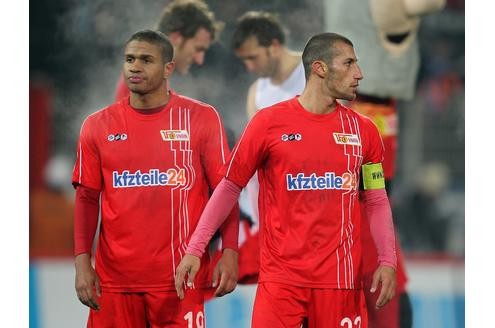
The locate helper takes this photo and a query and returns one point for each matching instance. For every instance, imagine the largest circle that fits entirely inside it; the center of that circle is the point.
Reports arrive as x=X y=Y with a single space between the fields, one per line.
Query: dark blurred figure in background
x=52 y=210
x=387 y=41
x=191 y=28
x=259 y=40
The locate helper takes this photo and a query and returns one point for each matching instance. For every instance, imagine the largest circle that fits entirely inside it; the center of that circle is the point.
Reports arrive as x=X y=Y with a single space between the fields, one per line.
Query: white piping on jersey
x=172 y=219
x=234 y=152
x=80 y=163
x=349 y=212
x=186 y=158
x=184 y=147
x=221 y=135
x=346 y=224
x=353 y=197
x=182 y=215
x=80 y=144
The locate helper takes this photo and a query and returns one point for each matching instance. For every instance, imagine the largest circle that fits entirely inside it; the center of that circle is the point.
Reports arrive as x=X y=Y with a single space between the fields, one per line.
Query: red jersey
x=308 y=167
x=155 y=172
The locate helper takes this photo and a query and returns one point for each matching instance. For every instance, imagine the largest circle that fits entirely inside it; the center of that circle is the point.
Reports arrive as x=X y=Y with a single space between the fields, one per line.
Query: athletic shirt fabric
x=308 y=167
x=155 y=172
x=268 y=93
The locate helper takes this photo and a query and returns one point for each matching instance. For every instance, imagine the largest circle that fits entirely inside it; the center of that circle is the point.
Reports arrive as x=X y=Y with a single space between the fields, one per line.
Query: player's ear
x=275 y=47
x=175 y=38
x=168 y=70
x=319 y=68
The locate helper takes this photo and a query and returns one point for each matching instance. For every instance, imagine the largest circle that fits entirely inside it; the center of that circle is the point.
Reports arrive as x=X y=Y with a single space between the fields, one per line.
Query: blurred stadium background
x=75 y=60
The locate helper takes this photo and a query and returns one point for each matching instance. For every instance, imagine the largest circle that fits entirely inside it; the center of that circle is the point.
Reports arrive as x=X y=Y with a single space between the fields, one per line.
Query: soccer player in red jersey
x=154 y=159
x=191 y=28
x=315 y=159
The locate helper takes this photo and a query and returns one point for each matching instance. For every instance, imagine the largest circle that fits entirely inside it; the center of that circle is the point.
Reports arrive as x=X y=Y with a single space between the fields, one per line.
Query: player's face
x=192 y=50
x=144 y=69
x=257 y=59
x=344 y=73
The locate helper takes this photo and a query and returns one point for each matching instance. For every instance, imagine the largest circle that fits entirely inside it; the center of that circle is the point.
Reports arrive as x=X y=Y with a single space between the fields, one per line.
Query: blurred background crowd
x=76 y=56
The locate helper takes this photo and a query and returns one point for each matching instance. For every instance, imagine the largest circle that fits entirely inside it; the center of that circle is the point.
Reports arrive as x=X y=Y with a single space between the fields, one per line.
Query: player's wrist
x=82 y=260
x=388 y=265
x=230 y=250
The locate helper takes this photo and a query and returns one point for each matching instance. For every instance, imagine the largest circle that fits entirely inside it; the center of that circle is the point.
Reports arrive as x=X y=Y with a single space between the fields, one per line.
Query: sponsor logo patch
x=153 y=177
x=346 y=139
x=117 y=137
x=174 y=135
x=329 y=180
x=291 y=137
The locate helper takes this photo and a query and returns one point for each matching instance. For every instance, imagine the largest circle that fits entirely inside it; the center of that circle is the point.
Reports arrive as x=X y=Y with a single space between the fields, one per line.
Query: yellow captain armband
x=373 y=177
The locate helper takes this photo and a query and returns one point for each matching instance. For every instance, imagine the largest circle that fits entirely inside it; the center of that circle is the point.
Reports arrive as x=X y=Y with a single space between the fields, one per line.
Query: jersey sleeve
x=249 y=152
x=87 y=169
x=374 y=150
x=215 y=151
x=215 y=148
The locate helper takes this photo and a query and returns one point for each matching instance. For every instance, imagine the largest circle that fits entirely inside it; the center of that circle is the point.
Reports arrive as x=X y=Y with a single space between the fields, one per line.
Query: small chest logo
x=346 y=139
x=117 y=137
x=174 y=135
x=291 y=137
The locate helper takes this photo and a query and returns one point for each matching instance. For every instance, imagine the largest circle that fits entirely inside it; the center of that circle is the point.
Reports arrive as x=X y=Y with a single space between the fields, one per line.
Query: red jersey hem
x=137 y=289
x=306 y=284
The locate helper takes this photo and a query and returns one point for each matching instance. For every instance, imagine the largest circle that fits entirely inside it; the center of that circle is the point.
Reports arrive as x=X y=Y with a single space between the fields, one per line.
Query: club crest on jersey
x=174 y=135
x=117 y=137
x=346 y=139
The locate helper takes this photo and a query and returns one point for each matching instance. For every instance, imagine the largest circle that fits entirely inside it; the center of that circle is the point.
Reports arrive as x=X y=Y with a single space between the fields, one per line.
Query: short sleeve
x=87 y=169
x=373 y=153
x=249 y=152
x=215 y=148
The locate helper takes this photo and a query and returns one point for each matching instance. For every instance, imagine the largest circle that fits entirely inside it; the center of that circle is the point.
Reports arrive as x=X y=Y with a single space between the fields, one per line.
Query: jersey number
x=200 y=319
x=347 y=322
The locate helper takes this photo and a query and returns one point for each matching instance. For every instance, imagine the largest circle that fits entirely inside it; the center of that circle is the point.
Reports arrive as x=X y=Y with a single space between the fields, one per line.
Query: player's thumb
x=216 y=274
x=375 y=282
x=191 y=276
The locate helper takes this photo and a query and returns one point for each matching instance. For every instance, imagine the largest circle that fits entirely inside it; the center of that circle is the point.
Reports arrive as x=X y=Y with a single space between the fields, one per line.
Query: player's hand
x=87 y=282
x=227 y=270
x=190 y=264
x=384 y=275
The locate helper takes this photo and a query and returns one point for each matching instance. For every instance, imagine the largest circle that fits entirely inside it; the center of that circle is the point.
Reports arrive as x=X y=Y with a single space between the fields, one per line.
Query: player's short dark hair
x=321 y=47
x=263 y=25
x=186 y=17
x=157 y=38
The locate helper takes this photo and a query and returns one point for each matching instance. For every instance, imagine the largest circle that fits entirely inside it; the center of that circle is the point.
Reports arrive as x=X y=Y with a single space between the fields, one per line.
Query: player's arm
x=377 y=208
x=251 y=101
x=217 y=209
x=246 y=157
x=213 y=155
x=85 y=225
x=226 y=271
x=87 y=180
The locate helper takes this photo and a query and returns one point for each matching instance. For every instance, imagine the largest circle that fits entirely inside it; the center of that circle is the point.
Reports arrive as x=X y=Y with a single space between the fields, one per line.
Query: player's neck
x=314 y=100
x=149 y=101
x=287 y=64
